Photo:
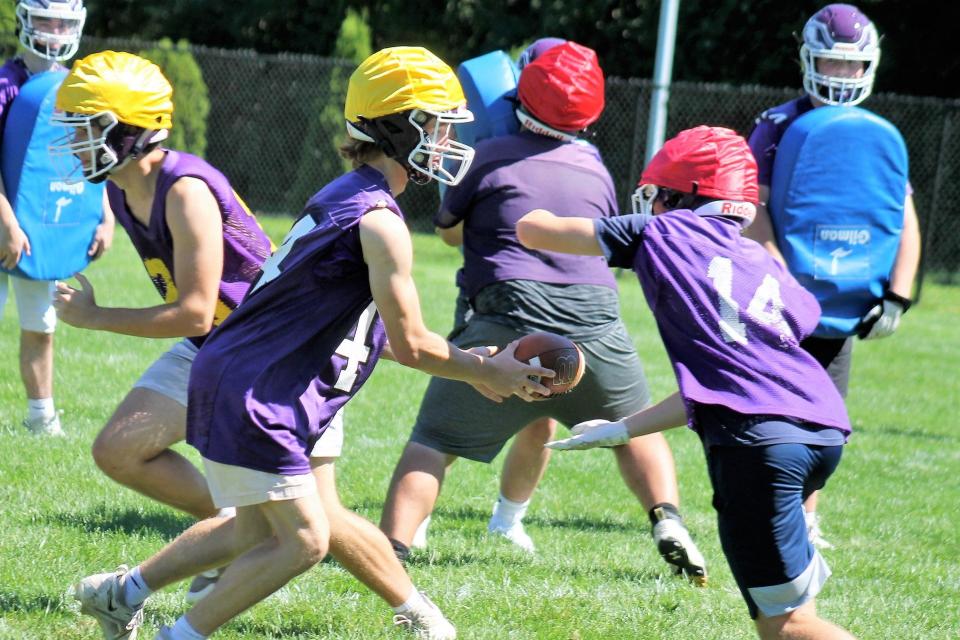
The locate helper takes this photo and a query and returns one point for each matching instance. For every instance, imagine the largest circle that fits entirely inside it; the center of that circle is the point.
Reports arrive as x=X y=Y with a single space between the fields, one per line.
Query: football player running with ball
x=271 y=379
x=515 y=291
x=731 y=318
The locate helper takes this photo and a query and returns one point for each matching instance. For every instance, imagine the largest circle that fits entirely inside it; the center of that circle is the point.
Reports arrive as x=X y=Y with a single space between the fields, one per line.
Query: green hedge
x=191 y=102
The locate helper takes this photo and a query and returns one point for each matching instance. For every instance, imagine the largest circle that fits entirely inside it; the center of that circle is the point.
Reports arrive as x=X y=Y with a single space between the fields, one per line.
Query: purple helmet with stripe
x=51 y=28
x=839 y=55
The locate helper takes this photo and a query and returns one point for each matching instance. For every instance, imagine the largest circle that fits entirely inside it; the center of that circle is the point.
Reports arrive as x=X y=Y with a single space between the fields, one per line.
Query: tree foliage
x=191 y=102
x=8 y=24
x=320 y=161
x=735 y=41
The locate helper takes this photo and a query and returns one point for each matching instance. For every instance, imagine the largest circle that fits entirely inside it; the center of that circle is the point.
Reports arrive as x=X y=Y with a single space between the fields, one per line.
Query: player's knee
x=111 y=457
x=795 y=624
x=309 y=546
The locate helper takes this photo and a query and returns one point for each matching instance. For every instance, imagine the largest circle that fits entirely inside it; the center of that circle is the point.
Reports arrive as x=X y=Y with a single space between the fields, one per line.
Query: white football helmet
x=839 y=32
x=51 y=28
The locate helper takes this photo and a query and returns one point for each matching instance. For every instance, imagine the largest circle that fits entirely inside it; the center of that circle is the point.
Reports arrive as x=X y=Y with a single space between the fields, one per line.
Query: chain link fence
x=275 y=121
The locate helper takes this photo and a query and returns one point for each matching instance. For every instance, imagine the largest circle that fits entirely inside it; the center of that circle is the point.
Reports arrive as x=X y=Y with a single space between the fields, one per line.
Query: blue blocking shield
x=58 y=218
x=490 y=85
x=836 y=203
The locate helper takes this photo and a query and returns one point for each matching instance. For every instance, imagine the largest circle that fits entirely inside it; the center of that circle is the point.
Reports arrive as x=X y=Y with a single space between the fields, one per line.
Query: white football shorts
x=34 y=302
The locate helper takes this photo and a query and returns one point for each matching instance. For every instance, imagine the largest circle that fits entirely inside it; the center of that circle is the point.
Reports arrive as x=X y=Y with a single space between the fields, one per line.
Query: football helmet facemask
x=839 y=32
x=51 y=28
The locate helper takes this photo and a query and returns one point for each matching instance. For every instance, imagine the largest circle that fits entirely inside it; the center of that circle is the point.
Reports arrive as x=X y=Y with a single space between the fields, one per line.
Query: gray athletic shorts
x=170 y=373
x=457 y=420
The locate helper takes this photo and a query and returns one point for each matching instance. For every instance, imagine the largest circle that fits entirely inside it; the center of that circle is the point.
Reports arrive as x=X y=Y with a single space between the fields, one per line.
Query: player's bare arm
x=666 y=414
x=452 y=236
x=103 y=236
x=541 y=229
x=907 y=261
x=388 y=252
x=197 y=231
x=761 y=229
x=13 y=241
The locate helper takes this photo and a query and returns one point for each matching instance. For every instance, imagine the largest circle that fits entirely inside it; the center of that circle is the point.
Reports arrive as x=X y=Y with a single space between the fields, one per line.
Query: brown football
x=555 y=352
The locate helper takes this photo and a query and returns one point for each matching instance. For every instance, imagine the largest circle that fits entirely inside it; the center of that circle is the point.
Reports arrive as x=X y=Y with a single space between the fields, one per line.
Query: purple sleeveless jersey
x=271 y=377
x=245 y=245
x=12 y=76
x=730 y=316
x=511 y=175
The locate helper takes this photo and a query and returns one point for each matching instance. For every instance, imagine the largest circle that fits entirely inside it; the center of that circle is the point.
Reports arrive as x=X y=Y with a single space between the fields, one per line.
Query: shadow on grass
x=33 y=603
x=478 y=519
x=890 y=430
x=104 y=519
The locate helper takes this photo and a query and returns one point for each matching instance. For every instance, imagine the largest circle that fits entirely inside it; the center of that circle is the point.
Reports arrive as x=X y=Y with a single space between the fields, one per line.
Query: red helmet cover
x=563 y=88
x=707 y=161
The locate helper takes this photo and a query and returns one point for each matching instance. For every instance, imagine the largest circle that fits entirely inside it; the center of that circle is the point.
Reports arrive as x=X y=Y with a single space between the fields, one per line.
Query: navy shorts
x=758 y=495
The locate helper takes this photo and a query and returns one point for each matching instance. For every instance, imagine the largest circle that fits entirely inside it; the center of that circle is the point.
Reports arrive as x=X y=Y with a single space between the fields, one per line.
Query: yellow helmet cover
x=130 y=87
x=399 y=79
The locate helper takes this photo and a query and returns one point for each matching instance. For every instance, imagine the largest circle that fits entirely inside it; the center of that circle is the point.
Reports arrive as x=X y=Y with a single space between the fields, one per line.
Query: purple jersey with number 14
x=730 y=316
x=268 y=381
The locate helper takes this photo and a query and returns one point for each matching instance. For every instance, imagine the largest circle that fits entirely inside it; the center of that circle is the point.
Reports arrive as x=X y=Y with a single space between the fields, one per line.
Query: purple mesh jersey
x=12 y=76
x=730 y=316
x=271 y=377
x=245 y=245
x=768 y=130
x=511 y=175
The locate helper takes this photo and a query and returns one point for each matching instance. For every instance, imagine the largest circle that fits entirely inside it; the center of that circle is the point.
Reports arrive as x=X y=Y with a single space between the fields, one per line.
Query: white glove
x=882 y=320
x=593 y=433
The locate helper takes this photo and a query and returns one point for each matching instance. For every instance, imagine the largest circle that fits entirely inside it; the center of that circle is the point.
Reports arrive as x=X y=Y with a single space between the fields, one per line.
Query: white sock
x=182 y=630
x=415 y=601
x=810 y=517
x=135 y=589
x=41 y=408
x=226 y=512
x=507 y=512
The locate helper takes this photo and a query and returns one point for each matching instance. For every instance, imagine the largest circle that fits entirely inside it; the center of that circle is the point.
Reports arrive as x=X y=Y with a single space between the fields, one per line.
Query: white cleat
x=678 y=549
x=814 y=532
x=420 y=537
x=101 y=596
x=44 y=426
x=514 y=533
x=426 y=621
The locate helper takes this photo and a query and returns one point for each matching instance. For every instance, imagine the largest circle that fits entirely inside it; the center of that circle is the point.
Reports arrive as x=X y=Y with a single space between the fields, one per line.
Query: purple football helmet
x=51 y=28
x=839 y=32
x=537 y=49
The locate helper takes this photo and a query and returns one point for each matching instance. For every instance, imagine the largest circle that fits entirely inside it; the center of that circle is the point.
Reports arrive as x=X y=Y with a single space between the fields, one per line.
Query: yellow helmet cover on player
x=399 y=79
x=132 y=88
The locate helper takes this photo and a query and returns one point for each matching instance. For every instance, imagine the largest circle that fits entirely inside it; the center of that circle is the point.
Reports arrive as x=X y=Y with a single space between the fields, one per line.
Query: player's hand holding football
x=506 y=376
x=76 y=307
x=591 y=434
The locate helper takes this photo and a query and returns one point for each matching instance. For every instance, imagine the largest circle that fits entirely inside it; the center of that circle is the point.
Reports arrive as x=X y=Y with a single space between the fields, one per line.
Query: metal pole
x=663 y=70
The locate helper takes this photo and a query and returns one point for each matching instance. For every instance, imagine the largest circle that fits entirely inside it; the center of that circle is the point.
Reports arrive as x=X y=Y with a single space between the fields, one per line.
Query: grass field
x=890 y=509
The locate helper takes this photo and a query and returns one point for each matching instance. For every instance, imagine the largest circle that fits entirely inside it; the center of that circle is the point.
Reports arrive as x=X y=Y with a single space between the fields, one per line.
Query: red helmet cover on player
x=563 y=87
x=706 y=161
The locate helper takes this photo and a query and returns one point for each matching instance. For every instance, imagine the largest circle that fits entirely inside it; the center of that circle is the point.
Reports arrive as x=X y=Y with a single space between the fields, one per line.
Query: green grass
x=890 y=508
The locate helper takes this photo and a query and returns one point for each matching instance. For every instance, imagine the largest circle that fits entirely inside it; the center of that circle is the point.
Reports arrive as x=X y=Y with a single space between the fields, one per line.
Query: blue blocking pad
x=490 y=84
x=59 y=219
x=836 y=203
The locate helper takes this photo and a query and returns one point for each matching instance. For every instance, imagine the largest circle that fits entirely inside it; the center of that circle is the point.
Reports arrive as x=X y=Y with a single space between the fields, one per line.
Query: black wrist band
x=893 y=297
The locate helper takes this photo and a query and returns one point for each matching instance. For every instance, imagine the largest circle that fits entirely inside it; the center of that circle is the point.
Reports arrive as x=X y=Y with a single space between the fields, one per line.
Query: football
x=555 y=352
